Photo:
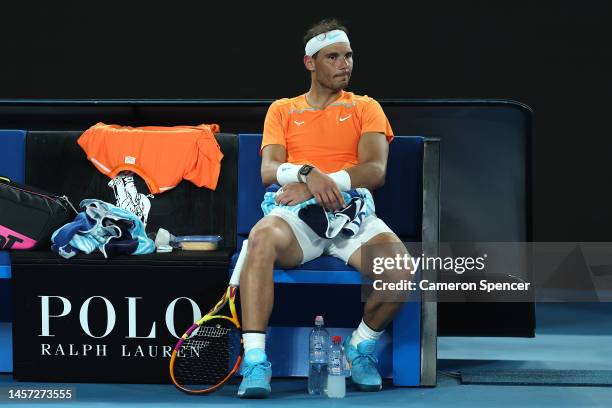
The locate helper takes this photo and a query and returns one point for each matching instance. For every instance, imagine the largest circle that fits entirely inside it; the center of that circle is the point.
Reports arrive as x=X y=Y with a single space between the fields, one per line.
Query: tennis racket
x=210 y=351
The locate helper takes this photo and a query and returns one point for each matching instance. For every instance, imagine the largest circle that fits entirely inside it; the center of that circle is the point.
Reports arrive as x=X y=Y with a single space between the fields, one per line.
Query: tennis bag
x=28 y=215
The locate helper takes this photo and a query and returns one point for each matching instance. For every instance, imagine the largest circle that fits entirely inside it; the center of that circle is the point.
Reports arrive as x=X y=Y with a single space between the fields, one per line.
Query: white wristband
x=342 y=180
x=287 y=173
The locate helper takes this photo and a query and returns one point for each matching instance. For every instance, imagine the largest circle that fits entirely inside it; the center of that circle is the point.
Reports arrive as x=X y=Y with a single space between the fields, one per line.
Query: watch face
x=305 y=170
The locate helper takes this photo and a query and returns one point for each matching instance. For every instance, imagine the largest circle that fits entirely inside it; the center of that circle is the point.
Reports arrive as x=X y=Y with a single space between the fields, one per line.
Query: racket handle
x=235 y=279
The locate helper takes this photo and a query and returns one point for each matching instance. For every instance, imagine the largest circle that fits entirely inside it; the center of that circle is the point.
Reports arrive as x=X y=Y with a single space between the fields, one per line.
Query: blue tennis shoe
x=256 y=375
x=364 y=373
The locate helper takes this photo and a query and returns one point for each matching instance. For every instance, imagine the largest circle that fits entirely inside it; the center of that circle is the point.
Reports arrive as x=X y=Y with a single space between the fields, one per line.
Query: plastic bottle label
x=336 y=366
x=318 y=352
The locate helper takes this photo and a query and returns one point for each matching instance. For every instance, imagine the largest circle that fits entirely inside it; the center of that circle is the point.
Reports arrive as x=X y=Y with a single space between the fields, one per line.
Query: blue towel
x=102 y=226
x=327 y=224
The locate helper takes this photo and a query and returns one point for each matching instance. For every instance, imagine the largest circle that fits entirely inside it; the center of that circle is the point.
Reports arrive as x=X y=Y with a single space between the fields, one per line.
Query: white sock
x=363 y=332
x=253 y=340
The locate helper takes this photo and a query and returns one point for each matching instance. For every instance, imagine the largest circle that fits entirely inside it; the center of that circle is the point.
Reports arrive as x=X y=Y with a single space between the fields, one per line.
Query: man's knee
x=398 y=271
x=402 y=269
x=272 y=240
x=387 y=252
x=268 y=236
x=262 y=239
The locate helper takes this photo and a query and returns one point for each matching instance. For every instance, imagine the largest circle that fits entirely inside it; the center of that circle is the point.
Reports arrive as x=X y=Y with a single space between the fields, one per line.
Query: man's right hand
x=325 y=190
x=293 y=194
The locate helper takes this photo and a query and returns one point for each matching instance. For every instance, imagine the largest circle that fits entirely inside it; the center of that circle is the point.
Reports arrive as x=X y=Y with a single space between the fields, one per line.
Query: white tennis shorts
x=340 y=246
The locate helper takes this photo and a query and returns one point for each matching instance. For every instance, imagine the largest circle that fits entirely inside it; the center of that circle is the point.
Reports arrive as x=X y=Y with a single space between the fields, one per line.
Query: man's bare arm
x=373 y=151
x=272 y=156
x=372 y=154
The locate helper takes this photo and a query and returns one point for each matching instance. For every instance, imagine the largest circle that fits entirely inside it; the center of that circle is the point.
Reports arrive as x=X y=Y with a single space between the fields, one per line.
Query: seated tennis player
x=318 y=145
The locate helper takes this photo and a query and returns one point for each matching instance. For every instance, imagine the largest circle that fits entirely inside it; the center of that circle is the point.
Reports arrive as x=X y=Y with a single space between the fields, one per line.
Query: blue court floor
x=577 y=336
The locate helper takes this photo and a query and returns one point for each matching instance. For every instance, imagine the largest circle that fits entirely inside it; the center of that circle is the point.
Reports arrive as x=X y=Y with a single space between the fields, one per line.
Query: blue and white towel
x=327 y=224
x=103 y=226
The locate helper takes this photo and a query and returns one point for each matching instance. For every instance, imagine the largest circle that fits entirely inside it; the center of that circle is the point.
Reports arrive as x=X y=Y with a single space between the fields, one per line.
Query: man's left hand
x=293 y=194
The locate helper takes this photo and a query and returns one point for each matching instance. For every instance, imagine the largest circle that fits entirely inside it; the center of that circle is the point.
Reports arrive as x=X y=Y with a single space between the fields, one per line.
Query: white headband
x=315 y=44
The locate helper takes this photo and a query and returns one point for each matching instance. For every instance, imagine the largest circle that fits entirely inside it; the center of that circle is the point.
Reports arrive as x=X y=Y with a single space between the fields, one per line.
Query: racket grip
x=235 y=279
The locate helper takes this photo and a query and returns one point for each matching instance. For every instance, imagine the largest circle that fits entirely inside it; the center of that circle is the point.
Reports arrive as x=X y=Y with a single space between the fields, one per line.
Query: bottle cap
x=336 y=339
x=319 y=321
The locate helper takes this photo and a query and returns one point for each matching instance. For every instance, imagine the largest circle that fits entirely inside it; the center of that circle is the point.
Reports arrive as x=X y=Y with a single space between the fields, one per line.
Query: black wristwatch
x=304 y=171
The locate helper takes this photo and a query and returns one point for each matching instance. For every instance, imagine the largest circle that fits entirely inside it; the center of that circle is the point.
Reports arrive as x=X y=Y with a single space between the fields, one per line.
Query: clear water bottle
x=336 y=380
x=345 y=364
x=318 y=350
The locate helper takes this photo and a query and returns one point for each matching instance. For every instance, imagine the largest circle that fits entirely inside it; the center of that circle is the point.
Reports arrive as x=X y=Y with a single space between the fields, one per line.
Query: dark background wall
x=554 y=56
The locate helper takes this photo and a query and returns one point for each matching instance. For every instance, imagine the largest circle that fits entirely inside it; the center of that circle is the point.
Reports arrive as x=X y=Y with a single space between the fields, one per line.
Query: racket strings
x=208 y=355
x=212 y=331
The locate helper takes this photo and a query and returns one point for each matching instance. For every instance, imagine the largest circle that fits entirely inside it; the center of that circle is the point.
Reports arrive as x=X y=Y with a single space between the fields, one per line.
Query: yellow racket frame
x=229 y=296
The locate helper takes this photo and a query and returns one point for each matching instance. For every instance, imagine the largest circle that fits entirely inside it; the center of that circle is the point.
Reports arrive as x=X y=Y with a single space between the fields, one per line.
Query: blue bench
x=410 y=213
x=407 y=351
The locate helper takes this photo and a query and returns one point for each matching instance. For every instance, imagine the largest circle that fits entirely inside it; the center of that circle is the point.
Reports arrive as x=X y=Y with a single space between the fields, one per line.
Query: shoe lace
x=365 y=359
x=256 y=370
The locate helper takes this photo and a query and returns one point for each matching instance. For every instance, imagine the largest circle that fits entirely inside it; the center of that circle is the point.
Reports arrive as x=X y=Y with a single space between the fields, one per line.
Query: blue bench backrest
x=12 y=154
x=398 y=202
x=12 y=165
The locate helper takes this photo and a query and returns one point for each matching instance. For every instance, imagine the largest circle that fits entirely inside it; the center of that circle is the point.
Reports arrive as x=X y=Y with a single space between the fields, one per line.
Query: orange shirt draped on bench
x=325 y=138
x=161 y=155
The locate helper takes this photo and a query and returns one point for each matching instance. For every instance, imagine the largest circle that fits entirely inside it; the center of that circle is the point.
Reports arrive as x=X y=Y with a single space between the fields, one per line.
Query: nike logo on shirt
x=345 y=118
